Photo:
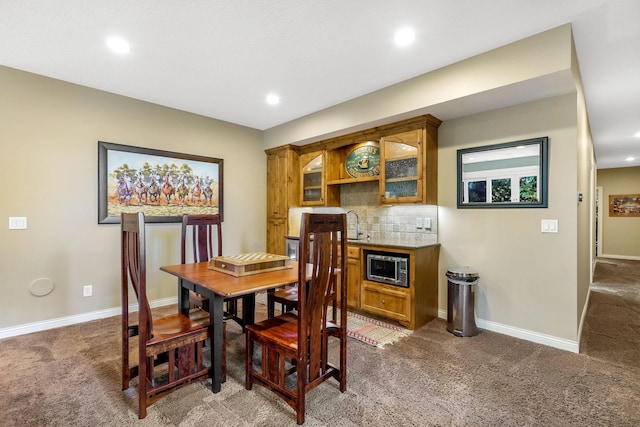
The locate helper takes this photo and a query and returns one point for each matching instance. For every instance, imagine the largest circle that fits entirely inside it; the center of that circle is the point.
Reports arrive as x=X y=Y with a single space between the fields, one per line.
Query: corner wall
x=50 y=131
x=527 y=278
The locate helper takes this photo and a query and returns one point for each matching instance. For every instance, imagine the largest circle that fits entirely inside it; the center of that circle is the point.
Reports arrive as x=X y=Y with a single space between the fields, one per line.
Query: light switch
x=549 y=225
x=418 y=222
x=427 y=223
x=17 y=223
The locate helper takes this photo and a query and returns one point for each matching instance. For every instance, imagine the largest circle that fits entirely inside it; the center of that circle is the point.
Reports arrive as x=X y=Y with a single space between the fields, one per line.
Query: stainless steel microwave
x=389 y=268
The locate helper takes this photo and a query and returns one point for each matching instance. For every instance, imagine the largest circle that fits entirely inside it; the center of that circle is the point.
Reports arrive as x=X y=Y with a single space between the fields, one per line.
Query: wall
x=527 y=278
x=532 y=285
x=619 y=234
x=49 y=132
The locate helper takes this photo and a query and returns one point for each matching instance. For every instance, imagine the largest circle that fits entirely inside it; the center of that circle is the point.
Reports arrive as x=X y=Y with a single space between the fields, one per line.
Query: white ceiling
x=221 y=58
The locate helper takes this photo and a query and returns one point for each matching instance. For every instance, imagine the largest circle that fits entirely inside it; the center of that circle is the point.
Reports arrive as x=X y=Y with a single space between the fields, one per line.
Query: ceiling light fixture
x=118 y=45
x=637 y=134
x=273 y=99
x=630 y=159
x=404 y=37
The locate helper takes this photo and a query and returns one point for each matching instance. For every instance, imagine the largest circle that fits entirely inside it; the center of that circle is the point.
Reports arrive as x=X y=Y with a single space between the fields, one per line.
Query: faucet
x=357 y=223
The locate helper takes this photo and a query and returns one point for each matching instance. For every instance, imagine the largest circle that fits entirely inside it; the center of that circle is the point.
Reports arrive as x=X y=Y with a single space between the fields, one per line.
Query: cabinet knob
x=382 y=301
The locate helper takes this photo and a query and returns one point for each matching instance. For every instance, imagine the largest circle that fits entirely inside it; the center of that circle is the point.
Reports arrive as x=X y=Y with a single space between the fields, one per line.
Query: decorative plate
x=363 y=160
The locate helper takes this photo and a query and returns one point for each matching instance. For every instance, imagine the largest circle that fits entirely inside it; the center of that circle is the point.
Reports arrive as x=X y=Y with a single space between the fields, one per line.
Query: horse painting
x=183 y=189
x=208 y=191
x=196 y=190
x=154 y=188
x=141 y=188
x=167 y=188
x=125 y=190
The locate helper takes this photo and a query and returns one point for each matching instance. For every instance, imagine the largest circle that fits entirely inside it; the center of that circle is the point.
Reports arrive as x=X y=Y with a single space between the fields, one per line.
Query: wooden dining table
x=217 y=286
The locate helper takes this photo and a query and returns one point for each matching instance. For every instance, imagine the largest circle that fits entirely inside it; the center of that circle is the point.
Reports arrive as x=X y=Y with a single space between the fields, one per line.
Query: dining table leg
x=183 y=296
x=215 y=331
x=249 y=309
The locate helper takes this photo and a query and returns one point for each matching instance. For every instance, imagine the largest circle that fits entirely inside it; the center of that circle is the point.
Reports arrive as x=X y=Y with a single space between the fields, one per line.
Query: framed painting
x=624 y=205
x=162 y=184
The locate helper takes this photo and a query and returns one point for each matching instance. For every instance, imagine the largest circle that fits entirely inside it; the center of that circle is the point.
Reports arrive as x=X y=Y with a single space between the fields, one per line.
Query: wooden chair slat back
x=328 y=260
x=134 y=269
x=202 y=236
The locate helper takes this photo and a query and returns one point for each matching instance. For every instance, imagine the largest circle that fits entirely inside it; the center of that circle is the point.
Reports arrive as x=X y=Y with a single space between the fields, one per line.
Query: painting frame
x=624 y=205
x=120 y=189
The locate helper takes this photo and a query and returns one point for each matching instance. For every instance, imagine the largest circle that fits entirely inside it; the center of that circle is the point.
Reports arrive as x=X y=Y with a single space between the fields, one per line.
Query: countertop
x=390 y=243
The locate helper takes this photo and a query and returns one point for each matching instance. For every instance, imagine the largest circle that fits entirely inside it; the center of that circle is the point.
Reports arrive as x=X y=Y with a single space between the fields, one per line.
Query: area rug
x=372 y=331
x=362 y=328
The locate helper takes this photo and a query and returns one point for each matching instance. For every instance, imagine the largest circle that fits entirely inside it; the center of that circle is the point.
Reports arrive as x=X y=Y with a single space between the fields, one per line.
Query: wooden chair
x=287 y=298
x=298 y=344
x=203 y=228
x=174 y=341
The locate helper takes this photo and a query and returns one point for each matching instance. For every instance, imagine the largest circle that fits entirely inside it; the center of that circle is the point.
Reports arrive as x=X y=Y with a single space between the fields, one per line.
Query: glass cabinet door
x=312 y=181
x=401 y=171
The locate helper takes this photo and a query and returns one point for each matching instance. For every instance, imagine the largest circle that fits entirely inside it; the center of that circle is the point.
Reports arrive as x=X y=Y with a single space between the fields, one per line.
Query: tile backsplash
x=379 y=222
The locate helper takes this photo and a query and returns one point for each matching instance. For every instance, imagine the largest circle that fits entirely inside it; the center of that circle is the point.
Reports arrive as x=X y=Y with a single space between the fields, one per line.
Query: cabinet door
x=354 y=277
x=276 y=184
x=276 y=233
x=392 y=302
x=312 y=179
x=401 y=168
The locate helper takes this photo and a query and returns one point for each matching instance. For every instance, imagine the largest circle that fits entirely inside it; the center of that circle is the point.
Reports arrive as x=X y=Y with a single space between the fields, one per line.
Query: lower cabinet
x=411 y=306
x=391 y=302
x=354 y=277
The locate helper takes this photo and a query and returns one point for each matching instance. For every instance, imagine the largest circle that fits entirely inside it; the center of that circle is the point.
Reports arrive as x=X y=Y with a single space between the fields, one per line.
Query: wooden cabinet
x=409 y=167
x=411 y=306
x=392 y=302
x=408 y=163
x=401 y=168
x=276 y=233
x=313 y=181
x=354 y=277
x=282 y=193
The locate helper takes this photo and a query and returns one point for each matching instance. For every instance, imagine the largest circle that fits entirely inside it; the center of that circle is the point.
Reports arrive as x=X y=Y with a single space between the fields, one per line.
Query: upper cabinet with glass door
x=401 y=168
x=313 y=180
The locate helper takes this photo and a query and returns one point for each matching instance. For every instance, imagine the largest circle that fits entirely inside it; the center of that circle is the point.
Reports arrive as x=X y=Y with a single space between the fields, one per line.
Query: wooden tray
x=251 y=263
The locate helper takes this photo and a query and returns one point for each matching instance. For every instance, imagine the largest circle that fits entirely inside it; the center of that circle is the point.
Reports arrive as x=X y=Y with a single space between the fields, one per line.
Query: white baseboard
x=551 y=341
x=77 y=318
x=630 y=257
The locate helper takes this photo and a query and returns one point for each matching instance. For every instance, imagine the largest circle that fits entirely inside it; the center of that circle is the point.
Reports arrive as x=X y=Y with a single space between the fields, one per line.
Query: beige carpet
x=70 y=377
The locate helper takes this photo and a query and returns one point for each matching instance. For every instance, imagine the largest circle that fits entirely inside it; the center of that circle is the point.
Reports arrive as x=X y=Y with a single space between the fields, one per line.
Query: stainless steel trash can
x=461 y=293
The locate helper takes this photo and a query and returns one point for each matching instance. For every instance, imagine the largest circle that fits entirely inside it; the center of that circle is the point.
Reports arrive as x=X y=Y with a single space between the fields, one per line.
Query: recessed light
x=630 y=159
x=273 y=99
x=404 y=37
x=118 y=45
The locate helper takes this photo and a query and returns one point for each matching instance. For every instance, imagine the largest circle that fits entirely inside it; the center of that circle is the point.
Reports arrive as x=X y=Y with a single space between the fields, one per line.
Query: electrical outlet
x=418 y=222
x=427 y=223
x=87 y=291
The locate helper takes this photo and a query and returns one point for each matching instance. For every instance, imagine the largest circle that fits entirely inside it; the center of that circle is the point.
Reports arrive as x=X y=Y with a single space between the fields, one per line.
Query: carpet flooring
x=71 y=377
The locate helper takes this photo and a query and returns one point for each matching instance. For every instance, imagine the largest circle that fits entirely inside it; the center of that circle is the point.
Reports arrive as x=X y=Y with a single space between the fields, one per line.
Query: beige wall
x=532 y=284
x=619 y=234
x=49 y=132
x=527 y=278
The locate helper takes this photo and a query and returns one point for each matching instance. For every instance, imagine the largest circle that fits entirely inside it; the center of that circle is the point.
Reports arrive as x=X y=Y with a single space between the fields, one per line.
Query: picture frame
x=624 y=205
x=506 y=175
x=162 y=184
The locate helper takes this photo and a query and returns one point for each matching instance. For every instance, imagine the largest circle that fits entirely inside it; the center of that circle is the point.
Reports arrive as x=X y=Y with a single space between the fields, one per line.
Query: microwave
x=389 y=268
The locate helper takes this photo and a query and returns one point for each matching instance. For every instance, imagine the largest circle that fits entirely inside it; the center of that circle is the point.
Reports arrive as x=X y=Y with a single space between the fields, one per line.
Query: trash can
x=461 y=293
